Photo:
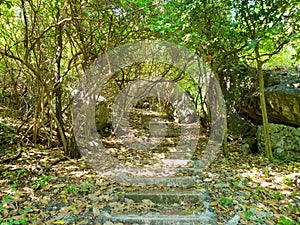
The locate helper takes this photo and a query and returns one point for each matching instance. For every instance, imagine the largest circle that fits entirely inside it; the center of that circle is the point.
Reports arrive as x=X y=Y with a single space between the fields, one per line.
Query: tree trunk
x=72 y=148
x=69 y=142
x=57 y=87
x=263 y=106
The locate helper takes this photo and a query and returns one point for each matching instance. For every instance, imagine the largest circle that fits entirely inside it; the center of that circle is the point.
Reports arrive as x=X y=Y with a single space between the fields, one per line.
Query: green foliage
x=6 y=198
x=220 y=31
x=41 y=182
x=285 y=221
x=11 y=221
x=13 y=177
x=225 y=201
x=251 y=44
x=249 y=214
x=278 y=196
x=26 y=210
x=235 y=185
x=245 y=181
x=72 y=189
x=85 y=187
x=7 y=132
x=7 y=3
x=268 y=26
x=260 y=220
x=217 y=30
x=257 y=191
x=194 y=91
x=284 y=60
x=274 y=31
x=76 y=190
x=287 y=180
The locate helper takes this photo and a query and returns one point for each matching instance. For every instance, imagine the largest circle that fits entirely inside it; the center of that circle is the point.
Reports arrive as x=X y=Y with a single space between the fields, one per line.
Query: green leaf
x=8 y=3
x=6 y=198
x=226 y=201
x=251 y=44
x=86 y=12
x=85 y=187
x=285 y=221
x=26 y=210
x=248 y=214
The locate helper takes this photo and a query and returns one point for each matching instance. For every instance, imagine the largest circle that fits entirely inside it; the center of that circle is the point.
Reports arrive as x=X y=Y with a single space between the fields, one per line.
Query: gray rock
x=238 y=126
x=285 y=141
x=93 y=197
x=276 y=77
x=222 y=185
x=208 y=217
x=282 y=100
x=234 y=221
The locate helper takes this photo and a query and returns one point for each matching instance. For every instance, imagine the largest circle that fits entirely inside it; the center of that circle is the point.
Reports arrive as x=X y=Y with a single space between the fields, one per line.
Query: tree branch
x=25 y=63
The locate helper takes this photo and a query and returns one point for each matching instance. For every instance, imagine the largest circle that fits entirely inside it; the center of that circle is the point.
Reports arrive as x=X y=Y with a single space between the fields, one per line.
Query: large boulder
x=285 y=141
x=282 y=99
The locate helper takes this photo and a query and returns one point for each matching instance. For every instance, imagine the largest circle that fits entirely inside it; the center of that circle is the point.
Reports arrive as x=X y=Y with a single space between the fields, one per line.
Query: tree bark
x=69 y=142
x=268 y=150
x=57 y=87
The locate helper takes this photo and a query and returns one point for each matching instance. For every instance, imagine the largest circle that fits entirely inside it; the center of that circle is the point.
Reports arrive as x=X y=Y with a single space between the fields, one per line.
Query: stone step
x=205 y=218
x=179 y=196
x=168 y=207
x=184 y=181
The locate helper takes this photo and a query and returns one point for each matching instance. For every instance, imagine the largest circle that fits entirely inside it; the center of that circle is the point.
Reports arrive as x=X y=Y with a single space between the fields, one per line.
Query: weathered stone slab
x=205 y=218
x=170 y=197
x=166 y=181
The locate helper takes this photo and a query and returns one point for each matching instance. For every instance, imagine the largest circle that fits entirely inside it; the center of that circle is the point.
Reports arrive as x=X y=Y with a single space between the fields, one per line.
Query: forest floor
x=42 y=186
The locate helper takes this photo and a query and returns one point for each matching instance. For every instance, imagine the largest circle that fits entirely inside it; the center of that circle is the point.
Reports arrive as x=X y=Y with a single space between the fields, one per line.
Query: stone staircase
x=184 y=199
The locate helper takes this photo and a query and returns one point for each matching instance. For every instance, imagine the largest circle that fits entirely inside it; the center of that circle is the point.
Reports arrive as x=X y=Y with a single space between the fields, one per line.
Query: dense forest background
x=249 y=46
x=47 y=46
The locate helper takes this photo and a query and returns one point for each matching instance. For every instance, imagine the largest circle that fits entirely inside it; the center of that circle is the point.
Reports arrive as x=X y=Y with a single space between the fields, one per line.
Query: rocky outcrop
x=285 y=141
x=282 y=99
x=282 y=91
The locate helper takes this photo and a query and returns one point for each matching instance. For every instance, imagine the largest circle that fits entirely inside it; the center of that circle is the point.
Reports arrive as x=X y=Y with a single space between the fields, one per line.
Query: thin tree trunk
x=225 y=144
x=263 y=106
x=69 y=142
x=57 y=88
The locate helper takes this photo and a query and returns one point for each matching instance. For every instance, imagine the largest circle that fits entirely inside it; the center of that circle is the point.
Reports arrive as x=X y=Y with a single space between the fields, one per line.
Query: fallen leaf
x=59 y=222
x=96 y=211
x=46 y=187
